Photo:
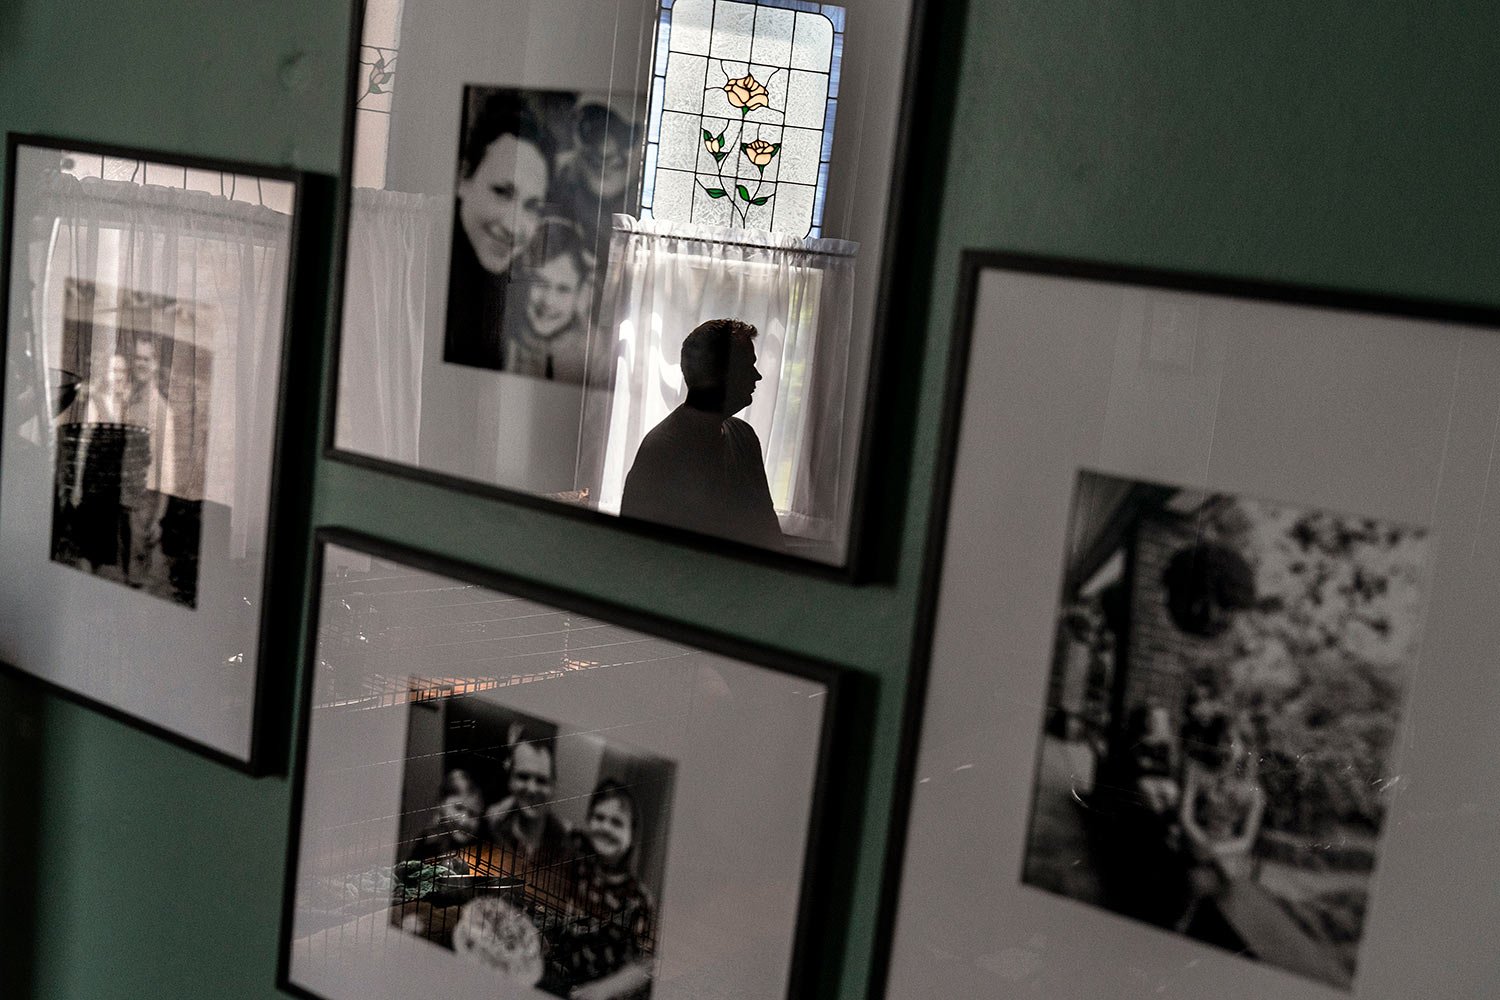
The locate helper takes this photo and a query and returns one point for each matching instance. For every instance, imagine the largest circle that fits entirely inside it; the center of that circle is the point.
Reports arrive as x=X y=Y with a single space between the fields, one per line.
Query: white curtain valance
x=225 y=262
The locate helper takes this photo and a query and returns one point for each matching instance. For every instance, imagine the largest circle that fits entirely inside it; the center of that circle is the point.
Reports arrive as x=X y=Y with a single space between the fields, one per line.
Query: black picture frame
x=288 y=476
x=973 y=263
x=914 y=180
x=819 y=896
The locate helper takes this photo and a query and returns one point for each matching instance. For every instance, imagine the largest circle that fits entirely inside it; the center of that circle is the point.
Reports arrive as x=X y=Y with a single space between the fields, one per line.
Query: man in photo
x=504 y=171
x=530 y=837
x=593 y=177
x=701 y=468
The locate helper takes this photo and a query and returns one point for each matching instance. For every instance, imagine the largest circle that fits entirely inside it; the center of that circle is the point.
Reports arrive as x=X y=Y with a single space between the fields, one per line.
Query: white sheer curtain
x=665 y=278
x=387 y=283
x=218 y=267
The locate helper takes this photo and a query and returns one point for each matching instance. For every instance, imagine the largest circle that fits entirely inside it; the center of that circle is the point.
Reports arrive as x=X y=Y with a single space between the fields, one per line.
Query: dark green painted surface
x=1340 y=143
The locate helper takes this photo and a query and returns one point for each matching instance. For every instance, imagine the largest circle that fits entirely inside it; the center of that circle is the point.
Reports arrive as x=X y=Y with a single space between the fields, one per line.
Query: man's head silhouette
x=718 y=366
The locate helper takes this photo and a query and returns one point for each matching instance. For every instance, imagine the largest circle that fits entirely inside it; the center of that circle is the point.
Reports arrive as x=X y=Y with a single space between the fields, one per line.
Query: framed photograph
x=147 y=300
x=628 y=261
x=503 y=791
x=1204 y=647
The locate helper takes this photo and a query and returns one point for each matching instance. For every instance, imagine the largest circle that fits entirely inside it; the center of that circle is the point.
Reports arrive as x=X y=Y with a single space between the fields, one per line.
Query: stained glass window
x=378 y=51
x=743 y=97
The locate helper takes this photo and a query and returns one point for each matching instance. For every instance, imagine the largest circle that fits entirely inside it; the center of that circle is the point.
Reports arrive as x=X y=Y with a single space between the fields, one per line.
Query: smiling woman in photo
x=602 y=948
x=505 y=167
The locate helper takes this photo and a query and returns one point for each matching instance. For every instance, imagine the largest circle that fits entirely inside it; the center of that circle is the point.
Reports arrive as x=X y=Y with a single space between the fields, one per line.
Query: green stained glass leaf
x=717 y=192
x=744 y=191
x=761 y=200
x=375 y=88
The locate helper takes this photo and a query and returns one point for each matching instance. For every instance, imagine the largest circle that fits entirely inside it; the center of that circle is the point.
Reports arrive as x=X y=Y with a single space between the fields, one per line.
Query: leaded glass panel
x=743 y=98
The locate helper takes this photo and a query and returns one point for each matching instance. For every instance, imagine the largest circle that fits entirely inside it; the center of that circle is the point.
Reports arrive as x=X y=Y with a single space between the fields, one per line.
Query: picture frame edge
x=974 y=262
x=264 y=726
x=858 y=567
x=803 y=971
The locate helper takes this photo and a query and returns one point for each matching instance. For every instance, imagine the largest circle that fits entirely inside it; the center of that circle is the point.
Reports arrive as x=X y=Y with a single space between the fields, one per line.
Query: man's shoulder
x=665 y=433
x=741 y=433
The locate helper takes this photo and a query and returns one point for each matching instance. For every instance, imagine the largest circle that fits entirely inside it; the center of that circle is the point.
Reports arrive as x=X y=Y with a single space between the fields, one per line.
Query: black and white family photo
x=533 y=850
x=1227 y=684
x=131 y=415
x=540 y=175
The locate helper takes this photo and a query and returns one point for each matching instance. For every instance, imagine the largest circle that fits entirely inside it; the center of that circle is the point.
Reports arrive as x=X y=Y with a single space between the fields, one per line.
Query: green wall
x=1339 y=143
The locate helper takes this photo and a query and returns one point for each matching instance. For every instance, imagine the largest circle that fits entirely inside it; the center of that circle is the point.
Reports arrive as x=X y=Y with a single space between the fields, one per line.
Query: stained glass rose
x=747 y=93
x=760 y=152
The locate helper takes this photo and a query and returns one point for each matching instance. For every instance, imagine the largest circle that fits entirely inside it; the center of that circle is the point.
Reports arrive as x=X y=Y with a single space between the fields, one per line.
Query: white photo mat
x=1383 y=415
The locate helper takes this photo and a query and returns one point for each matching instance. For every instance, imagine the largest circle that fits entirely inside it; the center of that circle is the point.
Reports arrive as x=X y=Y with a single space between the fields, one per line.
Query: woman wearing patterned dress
x=601 y=947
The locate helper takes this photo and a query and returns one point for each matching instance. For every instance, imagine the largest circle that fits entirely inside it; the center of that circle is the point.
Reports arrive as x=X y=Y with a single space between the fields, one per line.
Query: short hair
x=125 y=347
x=597 y=122
x=502 y=112
x=519 y=738
x=608 y=789
x=457 y=784
x=560 y=238
x=705 y=351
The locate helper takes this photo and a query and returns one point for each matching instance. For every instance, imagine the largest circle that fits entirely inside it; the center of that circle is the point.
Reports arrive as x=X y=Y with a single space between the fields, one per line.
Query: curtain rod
x=739 y=243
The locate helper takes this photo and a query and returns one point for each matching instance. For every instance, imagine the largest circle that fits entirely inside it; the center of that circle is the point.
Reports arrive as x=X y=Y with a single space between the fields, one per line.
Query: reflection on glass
x=518 y=284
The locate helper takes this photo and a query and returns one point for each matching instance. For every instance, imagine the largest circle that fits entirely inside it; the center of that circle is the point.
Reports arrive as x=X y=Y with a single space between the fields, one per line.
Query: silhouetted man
x=701 y=467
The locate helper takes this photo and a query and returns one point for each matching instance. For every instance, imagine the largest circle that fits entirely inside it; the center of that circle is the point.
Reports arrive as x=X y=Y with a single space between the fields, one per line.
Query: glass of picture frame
x=628 y=261
x=506 y=790
x=147 y=301
x=1232 y=542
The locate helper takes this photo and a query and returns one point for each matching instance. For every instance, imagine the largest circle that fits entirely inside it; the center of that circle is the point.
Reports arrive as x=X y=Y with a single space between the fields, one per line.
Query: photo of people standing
x=531 y=850
x=540 y=175
x=131 y=424
x=1227 y=684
